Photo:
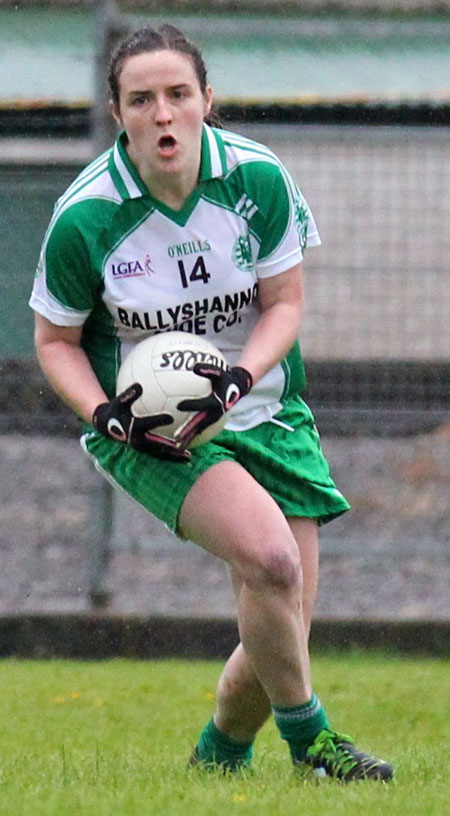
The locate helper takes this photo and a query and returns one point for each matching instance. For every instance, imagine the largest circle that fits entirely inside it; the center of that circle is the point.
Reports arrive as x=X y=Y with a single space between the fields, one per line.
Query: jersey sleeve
x=64 y=286
x=288 y=228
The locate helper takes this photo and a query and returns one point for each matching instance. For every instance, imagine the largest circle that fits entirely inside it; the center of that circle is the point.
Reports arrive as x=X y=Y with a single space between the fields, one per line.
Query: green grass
x=82 y=739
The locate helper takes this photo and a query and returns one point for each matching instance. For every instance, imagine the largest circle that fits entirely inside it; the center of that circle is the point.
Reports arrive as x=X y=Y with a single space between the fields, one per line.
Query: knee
x=277 y=566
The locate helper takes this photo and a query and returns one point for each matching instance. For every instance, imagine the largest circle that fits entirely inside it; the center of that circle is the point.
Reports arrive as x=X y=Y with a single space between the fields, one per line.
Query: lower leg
x=242 y=704
x=303 y=726
x=254 y=538
x=281 y=662
x=286 y=677
x=256 y=541
x=273 y=634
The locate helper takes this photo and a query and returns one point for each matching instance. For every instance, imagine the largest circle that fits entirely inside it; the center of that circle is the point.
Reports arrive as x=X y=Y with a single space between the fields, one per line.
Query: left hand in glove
x=227 y=388
x=115 y=420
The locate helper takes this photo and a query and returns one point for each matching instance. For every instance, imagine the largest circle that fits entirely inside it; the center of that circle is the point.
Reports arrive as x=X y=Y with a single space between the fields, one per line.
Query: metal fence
x=375 y=335
x=377 y=290
x=376 y=328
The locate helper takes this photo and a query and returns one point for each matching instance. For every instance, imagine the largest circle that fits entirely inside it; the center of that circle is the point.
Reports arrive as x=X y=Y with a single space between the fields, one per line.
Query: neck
x=171 y=191
x=173 y=188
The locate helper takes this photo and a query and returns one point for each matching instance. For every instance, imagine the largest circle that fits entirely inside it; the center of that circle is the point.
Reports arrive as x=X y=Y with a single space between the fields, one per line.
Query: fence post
x=109 y=28
x=100 y=542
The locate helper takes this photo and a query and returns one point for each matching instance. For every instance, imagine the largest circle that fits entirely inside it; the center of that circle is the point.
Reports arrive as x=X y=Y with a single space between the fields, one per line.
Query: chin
x=170 y=165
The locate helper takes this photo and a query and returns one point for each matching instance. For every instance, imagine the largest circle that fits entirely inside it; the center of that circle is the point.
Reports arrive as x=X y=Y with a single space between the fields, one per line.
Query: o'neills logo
x=132 y=269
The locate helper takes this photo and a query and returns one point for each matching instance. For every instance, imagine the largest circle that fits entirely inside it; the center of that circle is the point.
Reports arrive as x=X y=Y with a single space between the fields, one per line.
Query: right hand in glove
x=115 y=420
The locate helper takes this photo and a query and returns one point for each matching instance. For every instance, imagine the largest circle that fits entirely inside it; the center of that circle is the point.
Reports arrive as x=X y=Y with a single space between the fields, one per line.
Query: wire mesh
x=377 y=292
x=379 y=286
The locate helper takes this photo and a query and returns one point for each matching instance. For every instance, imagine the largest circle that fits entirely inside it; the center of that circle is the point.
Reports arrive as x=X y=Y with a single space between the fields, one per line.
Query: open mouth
x=167 y=144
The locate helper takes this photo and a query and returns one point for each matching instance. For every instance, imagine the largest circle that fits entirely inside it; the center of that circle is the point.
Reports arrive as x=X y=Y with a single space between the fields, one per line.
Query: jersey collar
x=130 y=185
x=213 y=162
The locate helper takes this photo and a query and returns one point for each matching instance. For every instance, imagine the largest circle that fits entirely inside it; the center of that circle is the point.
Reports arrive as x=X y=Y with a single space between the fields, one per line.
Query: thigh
x=228 y=513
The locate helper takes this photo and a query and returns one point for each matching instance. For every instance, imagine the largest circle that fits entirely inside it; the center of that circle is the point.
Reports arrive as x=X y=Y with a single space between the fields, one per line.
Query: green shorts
x=289 y=464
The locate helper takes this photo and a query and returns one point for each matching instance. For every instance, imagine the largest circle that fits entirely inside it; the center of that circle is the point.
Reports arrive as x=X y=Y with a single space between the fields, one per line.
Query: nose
x=163 y=113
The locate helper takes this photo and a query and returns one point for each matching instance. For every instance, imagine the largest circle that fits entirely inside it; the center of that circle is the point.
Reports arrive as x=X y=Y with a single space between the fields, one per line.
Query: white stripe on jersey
x=242 y=150
x=241 y=158
x=235 y=140
x=89 y=173
x=246 y=207
x=85 y=186
x=241 y=147
x=132 y=188
x=216 y=163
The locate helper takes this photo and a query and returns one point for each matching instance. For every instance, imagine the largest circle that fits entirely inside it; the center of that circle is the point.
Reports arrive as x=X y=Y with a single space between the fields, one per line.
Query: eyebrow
x=177 y=87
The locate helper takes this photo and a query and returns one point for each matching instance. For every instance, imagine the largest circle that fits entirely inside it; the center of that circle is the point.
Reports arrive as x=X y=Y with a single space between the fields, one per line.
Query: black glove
x=227 y=388
x=115 y=420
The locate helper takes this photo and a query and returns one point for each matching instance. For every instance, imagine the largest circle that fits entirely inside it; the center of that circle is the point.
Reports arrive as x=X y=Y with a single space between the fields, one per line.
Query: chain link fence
x=376 y=331
x=376 y=327
x=378 y=288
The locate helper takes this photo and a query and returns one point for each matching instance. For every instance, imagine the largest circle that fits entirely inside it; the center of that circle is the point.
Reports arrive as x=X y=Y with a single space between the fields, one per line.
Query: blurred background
x=354 y=96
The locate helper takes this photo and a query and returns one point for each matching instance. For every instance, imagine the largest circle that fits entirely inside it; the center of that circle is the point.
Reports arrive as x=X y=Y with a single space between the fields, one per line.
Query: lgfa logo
x=132 y=269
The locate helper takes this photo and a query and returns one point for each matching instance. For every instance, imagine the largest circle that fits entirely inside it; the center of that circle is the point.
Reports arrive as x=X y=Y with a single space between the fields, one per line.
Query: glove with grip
x=228 y=386
x=115 y=420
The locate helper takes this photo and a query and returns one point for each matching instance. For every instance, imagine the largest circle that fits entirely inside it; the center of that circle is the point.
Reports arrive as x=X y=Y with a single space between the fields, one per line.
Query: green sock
x=300 y=725
x=215 y=747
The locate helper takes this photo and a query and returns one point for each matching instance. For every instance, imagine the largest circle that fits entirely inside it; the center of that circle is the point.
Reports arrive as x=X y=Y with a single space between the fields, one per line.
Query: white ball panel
x=185 y=382
x=162 y=365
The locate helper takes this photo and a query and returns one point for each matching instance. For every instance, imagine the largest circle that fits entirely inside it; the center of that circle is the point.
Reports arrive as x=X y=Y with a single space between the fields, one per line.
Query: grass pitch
x=103 y=738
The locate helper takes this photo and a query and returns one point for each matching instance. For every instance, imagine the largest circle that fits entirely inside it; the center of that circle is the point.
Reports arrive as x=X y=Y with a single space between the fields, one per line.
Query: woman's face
x=161 y=107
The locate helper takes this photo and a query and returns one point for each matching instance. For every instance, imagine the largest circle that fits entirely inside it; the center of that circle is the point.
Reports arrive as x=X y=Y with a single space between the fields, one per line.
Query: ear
x=208 y=99
x=115 y=111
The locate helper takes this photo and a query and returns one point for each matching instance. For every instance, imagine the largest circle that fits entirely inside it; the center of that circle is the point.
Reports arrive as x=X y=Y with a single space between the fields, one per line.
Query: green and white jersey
x=124 y=266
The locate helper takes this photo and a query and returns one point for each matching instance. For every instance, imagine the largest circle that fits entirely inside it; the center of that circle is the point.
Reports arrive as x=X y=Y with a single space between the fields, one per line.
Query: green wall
x=27 y=197
x=258 y=57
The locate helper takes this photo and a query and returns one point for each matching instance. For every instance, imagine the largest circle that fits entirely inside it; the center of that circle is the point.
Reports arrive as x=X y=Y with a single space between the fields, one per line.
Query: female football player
x=183 y=226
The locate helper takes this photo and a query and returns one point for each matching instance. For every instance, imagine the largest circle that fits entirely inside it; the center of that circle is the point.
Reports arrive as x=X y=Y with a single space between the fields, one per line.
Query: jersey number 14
x=198 y=272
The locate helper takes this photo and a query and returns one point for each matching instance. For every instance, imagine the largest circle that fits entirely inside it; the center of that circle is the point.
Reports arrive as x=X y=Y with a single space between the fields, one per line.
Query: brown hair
x=165 y=38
